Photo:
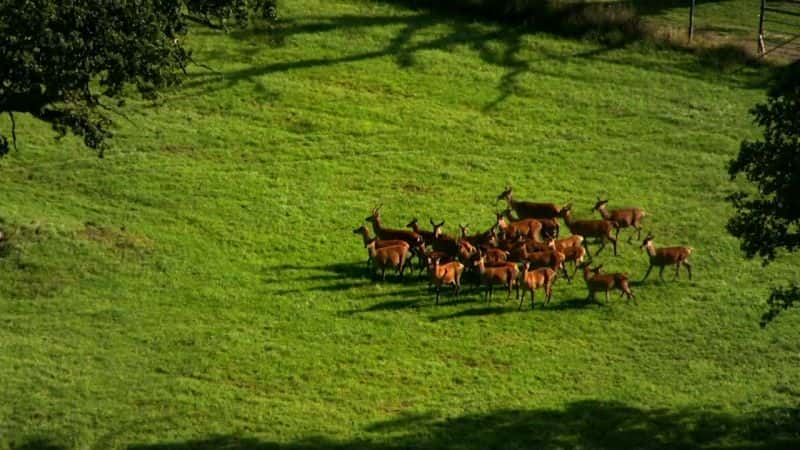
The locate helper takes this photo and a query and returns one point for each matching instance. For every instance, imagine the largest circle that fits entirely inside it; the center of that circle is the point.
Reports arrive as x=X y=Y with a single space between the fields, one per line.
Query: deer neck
x=604 y=212
x=568 y=218
x=365 y=236
x=376 y=225
x=651 y=250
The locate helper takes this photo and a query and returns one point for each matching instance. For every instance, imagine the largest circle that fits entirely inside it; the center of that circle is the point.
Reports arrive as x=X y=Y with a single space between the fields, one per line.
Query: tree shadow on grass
x=589 y=424
x=612 y=25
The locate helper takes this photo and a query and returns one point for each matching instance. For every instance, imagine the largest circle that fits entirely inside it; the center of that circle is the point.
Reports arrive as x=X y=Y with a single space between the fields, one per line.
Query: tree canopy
x=768 y=220
x=64 y=61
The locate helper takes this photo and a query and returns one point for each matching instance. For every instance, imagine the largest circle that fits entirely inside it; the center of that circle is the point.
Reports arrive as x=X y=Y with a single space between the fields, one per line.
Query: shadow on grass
x=584 y=424
x=476 y=312
x=612 y=25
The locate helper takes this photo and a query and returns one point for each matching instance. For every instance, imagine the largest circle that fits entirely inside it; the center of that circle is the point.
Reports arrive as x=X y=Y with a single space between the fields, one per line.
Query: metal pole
x=691 y=21
x=761 y=48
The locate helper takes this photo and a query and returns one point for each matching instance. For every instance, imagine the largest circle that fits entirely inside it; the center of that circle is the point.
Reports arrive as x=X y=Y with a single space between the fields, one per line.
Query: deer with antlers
x=666 y=256
x=529 y=210
x=622 y=217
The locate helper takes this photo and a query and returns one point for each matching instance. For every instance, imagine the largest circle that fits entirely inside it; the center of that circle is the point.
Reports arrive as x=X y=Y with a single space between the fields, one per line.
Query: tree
x=768 y=220
x=64 y=61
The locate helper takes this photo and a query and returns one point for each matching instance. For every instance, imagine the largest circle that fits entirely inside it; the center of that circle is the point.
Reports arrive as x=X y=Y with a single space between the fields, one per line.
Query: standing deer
x=596 y=282
x=448 y=273
x=531 y=280
x=364 y=232
x=390 y=233
x=505 y=274
x=590 y=228
x=529 y=210
x=622 y=217
x=394 y=256
x=666 y=256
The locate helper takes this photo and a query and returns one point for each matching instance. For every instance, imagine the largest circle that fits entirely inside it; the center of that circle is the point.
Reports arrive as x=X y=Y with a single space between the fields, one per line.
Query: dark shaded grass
x=588 y=424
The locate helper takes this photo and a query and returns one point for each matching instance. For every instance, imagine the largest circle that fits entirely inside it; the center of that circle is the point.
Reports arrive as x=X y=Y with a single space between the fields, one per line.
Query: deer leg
x=585 y=245
x=688 y=268
x=521 y=299
x=566 y=274
x=661 y=272
x=533 y=294
x=383 y=273
x=648 y=272
x=606 y=295
x=614 y=241
x=602 y=246
x=438 y=288
x=677 y=270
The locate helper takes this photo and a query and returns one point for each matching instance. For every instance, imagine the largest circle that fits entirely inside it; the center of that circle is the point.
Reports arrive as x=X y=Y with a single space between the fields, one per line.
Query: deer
x=549 y=227
x=442 y=242
x=409 y=236
x=393 y=256
x=529 y=210
x=548 y=258
x=427 y=236
x=448 y=273
x=364 y=232
x=530 y=280
x=622 y=217
x=525 y=227
x=488 y=237
x=596 y=282
x=390 y=233
x=666 y=256
x=576 y=256
x=505 y=274
x=590 y=228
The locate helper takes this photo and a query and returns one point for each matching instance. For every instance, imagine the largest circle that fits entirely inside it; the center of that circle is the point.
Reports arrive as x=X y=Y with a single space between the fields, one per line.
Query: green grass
x=201 y=286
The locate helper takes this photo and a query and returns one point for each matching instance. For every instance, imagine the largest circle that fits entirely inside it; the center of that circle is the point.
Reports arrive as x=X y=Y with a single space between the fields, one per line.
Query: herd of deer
x=531 y=239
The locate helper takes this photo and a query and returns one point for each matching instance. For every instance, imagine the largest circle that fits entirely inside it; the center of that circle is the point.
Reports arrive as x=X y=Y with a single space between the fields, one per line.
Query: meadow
x=201 y=287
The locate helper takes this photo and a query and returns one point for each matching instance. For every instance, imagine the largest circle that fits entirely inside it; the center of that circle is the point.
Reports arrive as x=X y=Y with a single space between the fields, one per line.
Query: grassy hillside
x=201 y=286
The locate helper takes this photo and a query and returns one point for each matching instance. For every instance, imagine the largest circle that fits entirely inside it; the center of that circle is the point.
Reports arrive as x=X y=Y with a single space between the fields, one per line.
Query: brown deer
x=622 y=217
x=442 y=242
x=529 y=210
x=549 y=228
x=666 y=256
x=574 y=253
x=504 y=275
x=385 y=257
x=525 y=227
x=548 y=258
x=531 y=280
x=448 y=273
x=364 y=232
x=488 y=237
x=390 y=233
x=427 y=236
x=596 y=282
x=590 y=228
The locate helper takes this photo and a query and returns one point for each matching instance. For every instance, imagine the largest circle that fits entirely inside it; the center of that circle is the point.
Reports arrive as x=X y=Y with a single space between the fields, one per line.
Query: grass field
x=201 y=287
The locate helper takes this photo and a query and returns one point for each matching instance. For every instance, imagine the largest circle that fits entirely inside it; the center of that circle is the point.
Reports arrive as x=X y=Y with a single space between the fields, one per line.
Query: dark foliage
x=768 y=220
x=62 y=62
